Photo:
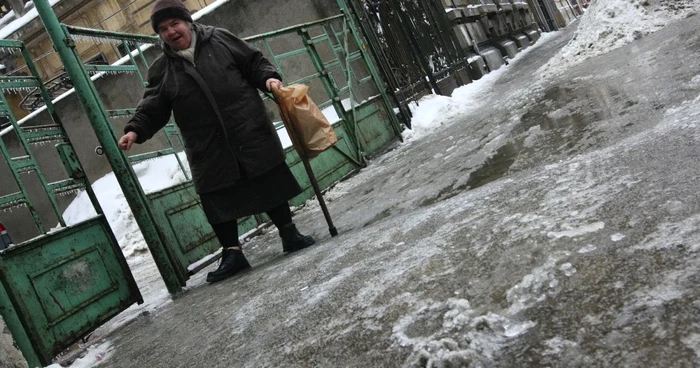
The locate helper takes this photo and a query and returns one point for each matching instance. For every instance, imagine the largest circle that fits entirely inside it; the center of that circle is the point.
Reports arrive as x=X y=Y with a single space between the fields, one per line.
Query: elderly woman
x=209 y=79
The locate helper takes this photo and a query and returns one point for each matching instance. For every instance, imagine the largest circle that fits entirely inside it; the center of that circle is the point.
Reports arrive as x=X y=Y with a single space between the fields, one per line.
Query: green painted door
x=63 y=283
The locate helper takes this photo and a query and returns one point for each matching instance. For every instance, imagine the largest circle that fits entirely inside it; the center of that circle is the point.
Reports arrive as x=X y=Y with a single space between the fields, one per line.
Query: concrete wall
x=244 y=18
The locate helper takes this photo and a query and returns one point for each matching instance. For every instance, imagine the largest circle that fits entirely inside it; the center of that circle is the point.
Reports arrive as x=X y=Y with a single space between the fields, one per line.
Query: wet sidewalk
x=554 y=224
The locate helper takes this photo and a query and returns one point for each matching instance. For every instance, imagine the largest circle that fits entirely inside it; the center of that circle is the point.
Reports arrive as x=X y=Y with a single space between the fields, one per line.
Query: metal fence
x=415 y=47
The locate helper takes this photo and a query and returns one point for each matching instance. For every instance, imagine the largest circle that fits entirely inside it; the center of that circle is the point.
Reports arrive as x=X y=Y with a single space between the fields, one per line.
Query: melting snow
x=608 y=25
x=617 y=237
x=572 y=233
x=452 y=334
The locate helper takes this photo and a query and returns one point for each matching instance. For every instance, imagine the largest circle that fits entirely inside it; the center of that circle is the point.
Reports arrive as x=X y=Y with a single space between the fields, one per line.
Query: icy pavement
x=557 y=224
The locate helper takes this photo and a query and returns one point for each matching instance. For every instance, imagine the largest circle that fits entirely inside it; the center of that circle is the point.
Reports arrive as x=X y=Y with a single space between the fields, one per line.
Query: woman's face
x=176 y=33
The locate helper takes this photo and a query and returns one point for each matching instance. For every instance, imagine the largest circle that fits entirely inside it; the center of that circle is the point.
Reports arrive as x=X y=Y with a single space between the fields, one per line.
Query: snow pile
x=433 y=111
x=609 y=24
x=92 y=357
x=540 y=284
x=456 y=335
x=154 y=175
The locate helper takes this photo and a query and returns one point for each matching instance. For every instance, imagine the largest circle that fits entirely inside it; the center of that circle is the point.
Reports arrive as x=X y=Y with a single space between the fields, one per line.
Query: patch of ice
x=557 y=345
x=536 y=286
x=649 y=300
x=692 y=341
x=568 y=269
x=587 y=249
x=617 y=237
x=572 y=233
x=452 y=334
x=685 y=233
x=322 y=289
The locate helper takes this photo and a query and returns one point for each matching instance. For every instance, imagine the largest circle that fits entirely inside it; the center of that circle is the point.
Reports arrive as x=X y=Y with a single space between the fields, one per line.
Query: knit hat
x=166 y=9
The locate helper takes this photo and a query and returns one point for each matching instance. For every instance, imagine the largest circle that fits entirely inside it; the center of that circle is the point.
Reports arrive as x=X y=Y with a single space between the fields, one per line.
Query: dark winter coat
x=216 y=105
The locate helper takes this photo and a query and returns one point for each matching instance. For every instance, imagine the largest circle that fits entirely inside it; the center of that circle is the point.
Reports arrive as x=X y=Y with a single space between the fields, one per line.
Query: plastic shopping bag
x=308 y=128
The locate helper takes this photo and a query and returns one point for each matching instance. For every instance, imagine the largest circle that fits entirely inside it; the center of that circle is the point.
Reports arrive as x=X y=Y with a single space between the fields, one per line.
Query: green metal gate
x=327 y=54
x=67 y=281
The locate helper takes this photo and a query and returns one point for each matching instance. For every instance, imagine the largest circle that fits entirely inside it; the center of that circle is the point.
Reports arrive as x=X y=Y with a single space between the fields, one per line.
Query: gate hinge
x=69 y=42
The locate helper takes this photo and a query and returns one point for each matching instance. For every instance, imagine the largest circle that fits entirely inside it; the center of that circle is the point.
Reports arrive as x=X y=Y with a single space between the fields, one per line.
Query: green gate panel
x=63 y=285
x=374 y=131
x=179 y=217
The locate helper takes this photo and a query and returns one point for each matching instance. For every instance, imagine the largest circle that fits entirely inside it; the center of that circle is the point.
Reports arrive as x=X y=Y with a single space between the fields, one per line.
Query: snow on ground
x=93 y=356
x=434 y=111
x=153 y=175
x=609 y=24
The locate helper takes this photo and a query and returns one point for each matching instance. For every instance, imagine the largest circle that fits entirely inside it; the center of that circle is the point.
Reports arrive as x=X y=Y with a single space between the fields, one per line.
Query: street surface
x=557 y=223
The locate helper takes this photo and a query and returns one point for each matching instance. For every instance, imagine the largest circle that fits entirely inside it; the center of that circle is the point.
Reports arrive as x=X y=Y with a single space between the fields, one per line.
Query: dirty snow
x=94 y=355
x=609 y=24
x=153 y=175
x=617 y=237
x=460 y=337
x=572 y=233
x=434 y=111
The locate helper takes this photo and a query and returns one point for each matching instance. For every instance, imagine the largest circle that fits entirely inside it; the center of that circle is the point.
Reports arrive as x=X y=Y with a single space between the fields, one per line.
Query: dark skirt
x=251 y=196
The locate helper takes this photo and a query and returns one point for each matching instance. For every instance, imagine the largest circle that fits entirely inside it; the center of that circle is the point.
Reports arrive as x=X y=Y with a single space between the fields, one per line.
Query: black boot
x=232 y=262
x=292 y=240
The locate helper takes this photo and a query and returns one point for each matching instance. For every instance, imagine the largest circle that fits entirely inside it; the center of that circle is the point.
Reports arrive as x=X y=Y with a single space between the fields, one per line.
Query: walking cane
x=304 y=158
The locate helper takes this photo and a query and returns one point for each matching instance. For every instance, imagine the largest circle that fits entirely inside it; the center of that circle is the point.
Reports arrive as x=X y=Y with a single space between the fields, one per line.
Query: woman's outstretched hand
x=127 y=140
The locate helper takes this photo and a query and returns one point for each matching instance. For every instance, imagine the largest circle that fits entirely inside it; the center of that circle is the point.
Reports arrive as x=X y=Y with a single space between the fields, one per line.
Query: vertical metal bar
x=87 y=95
x=350 y=74
x=49 y=107
x=133 y=62
x=274 y=58
x=446 y=35
x=19 y=333
x=379 y=54
x=415 y=46
x=142 y=56
x=337 y=39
